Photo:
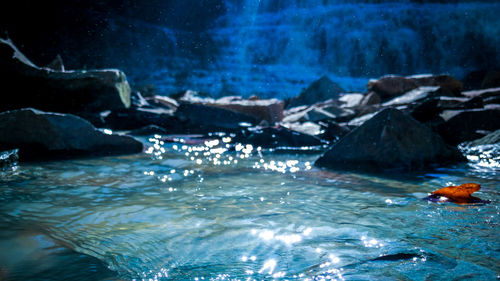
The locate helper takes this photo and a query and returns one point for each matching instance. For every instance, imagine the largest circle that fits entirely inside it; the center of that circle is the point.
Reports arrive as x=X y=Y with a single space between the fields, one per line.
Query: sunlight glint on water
x=222 y=212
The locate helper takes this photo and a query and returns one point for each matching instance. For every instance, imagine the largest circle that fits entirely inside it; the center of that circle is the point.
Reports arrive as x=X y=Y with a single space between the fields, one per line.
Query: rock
x=135 y=118
x=148 y=130
x=308 y=128
x=333 y=131
x=431 y=107
x=200 y=118
x=491 y=79
x=269 y=110
x=40 y=134
x=60 y=91
x=391 y=86
x=57 y=64
x=463 y=125
x=8 y=157
x=320 y=90
x=277 y=137
x=351 y=100
x=411 y=96
x=389 y=140
x=491 y=138
x=486 y=93
x=447 y=85
x=371 y=98
x=165 y=101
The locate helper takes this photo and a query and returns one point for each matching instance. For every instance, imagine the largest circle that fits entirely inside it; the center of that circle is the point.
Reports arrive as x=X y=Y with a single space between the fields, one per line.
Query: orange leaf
x=458 y=194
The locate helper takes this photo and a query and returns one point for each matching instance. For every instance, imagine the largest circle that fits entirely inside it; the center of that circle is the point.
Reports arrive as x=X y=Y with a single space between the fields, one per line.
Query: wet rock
x=447 y=85
x=308 y=128
x=56 y=64
x=148 y=130
x=59 y=91
x=332 y=131
x=8 y=157
x=411 y=96
x=167 y=102
x=491 y=138
x=40 y=134
x=320 y=90
x=463 y=125
x=431 y=107
x=371 y=98
x=389 y=140
x=391 y=86
x=486 y=93
x=269 y=110
x=203 y=118
x=351 y=100
x=277 y=137
x=138 y=117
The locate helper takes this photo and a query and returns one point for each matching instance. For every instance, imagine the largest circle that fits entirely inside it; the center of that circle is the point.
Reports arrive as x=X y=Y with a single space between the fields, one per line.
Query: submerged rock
x=389 y=140
x=60 y=91
x=320 y=90
x=40 y=134
x=8 y=157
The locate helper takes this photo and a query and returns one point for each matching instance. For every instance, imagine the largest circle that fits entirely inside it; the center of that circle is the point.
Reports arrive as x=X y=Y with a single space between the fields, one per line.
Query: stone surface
x=389 y=140
x=463 y=125
x=59 y=91
x=40 y=134
x=135 y=118
x=351 y=100
x=391 y=86
x=448 y=85
x=371 y=98
x=491 y=138
x=269 y=110
x=411 y=96
x=203 y=118
x=8 y=157
x=485 y=93
x=320 y=90
x=148 y=130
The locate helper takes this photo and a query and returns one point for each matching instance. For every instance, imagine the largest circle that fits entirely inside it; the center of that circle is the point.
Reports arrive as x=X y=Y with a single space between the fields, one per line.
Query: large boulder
x=389 y=140
x=448 y=85
x=40 y=134
x=467 y=125
x=59 y=91
x=269 y=110
x=200 y=118
x=391 y=86
x=320 y=90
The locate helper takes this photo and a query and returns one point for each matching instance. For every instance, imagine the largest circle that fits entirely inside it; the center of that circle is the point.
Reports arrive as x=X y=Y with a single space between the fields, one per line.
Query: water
x=182 y=212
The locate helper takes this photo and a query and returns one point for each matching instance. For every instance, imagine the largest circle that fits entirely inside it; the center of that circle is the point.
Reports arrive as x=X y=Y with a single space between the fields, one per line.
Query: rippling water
x=200 y=212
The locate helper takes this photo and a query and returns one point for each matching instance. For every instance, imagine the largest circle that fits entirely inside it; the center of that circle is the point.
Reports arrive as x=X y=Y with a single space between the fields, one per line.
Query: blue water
x=184 y=212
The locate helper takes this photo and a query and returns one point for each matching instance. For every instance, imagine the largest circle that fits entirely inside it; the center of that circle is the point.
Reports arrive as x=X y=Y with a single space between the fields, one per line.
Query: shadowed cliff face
x=271 y=48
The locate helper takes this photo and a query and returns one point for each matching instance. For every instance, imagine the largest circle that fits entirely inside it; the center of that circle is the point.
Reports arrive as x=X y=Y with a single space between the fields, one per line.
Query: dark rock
x=57 y=64
x=148 y=130
x=269 y=110
x=199 y=118
x=371 y=98
x=59 y=91
x=486 y=93
x=40 y=134
x=491 y=79
x=448 y=85
x=431 y=107
x=8 y=157
x=491 y=138
x=320 y=90
x=333 y=131
x=277 y=137
x=463 y=125
x=391 y=86
x=135 y=118
x=389 y=140
x=411 y=96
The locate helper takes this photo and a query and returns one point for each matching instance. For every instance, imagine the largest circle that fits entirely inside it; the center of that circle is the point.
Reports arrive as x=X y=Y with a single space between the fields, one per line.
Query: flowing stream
x=202 y=212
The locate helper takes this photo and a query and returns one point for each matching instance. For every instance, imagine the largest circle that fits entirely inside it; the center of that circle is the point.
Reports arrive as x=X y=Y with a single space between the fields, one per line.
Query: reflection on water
x=213 y=210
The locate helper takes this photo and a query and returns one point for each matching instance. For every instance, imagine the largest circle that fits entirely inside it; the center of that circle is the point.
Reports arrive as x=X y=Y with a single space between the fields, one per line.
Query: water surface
x=199 y=212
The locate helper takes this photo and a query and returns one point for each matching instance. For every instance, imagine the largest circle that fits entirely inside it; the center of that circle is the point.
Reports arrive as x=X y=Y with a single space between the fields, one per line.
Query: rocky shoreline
x=404 y=123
